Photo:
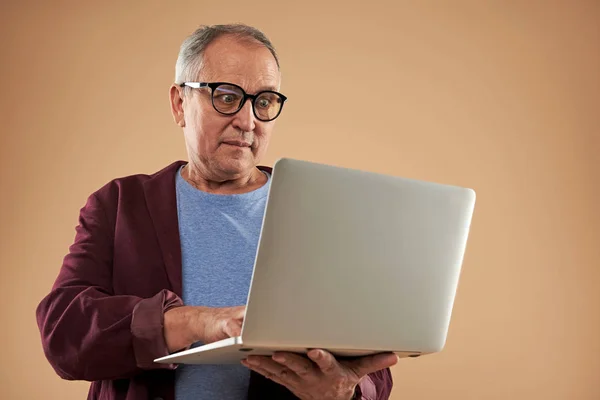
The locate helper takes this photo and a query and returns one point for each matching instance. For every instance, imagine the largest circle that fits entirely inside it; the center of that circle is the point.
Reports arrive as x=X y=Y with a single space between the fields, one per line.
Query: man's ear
x=176 y=99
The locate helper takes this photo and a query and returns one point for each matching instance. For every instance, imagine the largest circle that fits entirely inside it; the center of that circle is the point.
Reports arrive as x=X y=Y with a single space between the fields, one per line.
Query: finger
x=240 y=312
x=300 y=365
x=233 y=328
x=325 y=361
x=272 y=370
x=368 y=364
x=237 y=313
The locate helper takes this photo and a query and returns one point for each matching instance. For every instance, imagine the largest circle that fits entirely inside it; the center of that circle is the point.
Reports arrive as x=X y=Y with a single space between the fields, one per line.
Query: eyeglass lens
x=227 y=99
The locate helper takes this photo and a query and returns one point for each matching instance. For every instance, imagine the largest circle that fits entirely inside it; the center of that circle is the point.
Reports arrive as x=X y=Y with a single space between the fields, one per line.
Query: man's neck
x=243 y=184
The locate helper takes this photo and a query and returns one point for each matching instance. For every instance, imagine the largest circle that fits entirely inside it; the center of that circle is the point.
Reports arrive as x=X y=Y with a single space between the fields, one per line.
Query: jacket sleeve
x=376 y=386
x=88 y=332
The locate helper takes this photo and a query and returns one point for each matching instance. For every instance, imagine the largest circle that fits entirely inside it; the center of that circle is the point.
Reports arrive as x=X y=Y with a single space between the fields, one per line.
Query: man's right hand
x=186 y=325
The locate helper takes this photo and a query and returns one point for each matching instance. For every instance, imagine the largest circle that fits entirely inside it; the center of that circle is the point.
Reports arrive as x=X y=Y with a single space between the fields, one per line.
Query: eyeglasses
x=228 y=99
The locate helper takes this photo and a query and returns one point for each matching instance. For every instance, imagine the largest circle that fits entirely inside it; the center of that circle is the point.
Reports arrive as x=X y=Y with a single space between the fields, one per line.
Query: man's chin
x=237 y=166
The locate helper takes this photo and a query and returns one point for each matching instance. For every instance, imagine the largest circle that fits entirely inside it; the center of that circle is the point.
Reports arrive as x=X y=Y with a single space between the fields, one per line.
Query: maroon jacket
x=103 y=319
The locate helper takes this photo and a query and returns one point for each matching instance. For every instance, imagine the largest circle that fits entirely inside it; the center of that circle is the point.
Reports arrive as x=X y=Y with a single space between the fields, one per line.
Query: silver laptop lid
x=356 y=260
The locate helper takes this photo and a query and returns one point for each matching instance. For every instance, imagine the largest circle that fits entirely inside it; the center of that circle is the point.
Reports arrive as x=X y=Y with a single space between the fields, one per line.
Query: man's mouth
x=238 y=143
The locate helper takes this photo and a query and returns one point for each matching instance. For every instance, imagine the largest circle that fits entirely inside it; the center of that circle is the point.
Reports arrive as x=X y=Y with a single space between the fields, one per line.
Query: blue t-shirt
x=219 y=237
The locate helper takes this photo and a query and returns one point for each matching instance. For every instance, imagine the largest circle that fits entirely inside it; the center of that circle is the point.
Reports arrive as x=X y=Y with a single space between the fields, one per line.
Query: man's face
x=229 y=146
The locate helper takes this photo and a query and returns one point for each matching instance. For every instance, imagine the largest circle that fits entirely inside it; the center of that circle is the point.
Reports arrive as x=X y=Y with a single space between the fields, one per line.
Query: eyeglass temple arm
x=195 y=85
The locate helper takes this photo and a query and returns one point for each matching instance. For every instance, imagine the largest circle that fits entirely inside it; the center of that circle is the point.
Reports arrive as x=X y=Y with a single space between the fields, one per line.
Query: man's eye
x=264 y=103
x=227 y=98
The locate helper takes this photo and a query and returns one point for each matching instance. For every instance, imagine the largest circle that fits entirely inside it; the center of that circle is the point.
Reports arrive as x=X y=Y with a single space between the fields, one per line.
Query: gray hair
x=189 y=61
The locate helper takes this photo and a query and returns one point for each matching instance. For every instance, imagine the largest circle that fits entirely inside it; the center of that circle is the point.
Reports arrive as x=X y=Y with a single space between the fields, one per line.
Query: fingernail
x=279 y=358
x=252 y=361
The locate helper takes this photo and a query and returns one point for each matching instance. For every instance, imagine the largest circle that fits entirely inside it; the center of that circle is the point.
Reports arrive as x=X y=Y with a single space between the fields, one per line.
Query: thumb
x=368 y=364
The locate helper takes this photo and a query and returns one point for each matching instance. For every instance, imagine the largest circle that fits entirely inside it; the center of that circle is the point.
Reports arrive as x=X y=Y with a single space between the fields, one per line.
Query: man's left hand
x=320 y=376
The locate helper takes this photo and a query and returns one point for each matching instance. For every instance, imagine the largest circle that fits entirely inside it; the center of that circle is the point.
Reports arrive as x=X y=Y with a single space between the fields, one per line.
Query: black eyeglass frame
x=214 y=85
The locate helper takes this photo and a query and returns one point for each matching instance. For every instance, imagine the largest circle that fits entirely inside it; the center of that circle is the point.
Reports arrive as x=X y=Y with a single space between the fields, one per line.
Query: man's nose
x=245 y=119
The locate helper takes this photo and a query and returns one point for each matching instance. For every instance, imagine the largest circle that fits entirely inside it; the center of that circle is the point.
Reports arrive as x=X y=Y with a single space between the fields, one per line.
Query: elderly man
x=163 y=262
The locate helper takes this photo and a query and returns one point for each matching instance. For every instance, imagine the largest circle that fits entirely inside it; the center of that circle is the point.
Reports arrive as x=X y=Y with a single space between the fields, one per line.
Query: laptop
x=352 y=262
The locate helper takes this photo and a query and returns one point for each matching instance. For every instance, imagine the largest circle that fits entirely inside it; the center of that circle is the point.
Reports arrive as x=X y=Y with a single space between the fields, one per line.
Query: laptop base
x=233 y=351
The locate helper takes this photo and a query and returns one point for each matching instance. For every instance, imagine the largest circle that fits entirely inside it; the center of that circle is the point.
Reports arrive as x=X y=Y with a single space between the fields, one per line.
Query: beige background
x=502 y=96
